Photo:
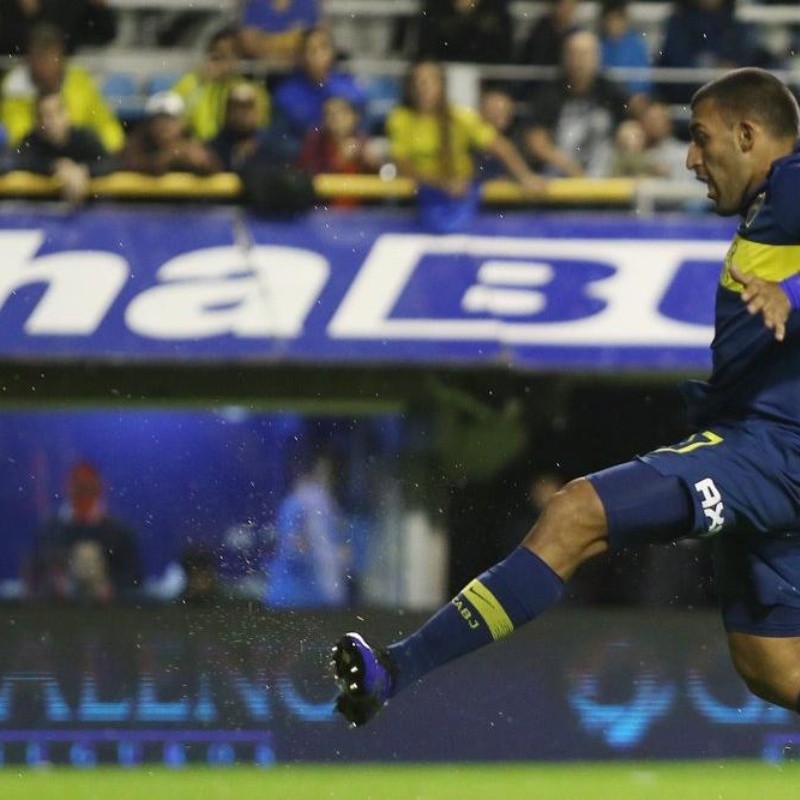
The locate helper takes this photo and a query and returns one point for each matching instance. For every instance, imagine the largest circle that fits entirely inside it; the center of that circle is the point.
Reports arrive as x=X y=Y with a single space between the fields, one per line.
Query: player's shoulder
x=783 y=187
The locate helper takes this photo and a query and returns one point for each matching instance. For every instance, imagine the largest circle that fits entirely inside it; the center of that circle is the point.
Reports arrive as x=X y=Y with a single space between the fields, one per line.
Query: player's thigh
x=739 y=476
x=769 y=665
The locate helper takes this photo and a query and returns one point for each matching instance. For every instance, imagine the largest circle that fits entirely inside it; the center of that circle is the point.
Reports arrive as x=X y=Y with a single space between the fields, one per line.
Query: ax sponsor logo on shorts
x=713 y=507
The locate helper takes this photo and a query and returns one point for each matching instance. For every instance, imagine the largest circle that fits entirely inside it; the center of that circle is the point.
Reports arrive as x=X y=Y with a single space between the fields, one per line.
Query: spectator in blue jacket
x=622 y=45
x=299 y=100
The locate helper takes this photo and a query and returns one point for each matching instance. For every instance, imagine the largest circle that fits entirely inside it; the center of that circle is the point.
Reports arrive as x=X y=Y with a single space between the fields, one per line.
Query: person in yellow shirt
x=433 y=142
x=205 y=91
x=46 y=70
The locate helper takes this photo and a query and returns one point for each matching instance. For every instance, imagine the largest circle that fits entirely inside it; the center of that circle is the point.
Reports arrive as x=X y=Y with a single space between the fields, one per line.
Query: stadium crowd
x=312 y=115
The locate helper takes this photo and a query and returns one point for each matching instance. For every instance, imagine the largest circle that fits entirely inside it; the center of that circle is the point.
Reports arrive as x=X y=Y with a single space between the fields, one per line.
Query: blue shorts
x=743 y=479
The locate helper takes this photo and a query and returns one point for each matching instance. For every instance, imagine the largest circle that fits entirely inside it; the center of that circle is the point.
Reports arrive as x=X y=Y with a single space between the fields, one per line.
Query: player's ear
x=745 y=135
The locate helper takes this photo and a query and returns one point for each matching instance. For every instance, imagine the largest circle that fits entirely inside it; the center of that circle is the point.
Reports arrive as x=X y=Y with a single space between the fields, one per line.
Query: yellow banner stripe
x=489 y=607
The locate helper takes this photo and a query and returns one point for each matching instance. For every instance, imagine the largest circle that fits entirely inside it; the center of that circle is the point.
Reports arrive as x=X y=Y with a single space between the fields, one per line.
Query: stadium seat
x=383 y=94
x=121 y=91
x=161 y=82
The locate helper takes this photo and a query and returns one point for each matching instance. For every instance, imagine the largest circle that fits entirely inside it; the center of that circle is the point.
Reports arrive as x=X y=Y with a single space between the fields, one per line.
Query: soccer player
x=737 y=479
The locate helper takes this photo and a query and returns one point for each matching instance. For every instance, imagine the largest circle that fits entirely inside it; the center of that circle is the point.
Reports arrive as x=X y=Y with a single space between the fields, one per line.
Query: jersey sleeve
x=784 y=189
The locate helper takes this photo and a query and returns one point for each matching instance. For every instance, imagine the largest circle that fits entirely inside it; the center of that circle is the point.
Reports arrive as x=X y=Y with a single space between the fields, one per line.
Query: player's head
x=740 y=124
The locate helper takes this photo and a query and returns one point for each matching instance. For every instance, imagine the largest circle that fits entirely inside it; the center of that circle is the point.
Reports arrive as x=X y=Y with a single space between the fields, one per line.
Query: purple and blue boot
x=364 y=674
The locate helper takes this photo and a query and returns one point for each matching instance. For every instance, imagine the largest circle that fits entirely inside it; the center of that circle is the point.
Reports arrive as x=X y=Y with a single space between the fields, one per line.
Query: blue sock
x=506 y=596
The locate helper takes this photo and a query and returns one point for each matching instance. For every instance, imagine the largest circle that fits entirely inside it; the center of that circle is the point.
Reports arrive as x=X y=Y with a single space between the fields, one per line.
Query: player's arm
x=771 y=299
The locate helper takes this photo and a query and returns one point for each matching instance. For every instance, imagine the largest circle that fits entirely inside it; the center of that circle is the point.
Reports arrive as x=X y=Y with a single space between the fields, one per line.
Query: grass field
x=737 y=780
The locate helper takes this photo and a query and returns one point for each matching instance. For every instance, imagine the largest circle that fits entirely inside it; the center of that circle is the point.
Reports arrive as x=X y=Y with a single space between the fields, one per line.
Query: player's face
x=717 y=157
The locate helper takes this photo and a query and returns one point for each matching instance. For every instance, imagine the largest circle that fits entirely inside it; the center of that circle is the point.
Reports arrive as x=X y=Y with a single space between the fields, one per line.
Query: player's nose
x=693 y=159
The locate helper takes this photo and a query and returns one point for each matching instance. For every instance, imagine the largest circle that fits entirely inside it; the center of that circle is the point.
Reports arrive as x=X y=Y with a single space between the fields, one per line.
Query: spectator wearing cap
x=271 y=30
x=72 y=155
x=300 y=98
x=46 y=70
x=242 y=133
x=162 y=144
x=205 y=91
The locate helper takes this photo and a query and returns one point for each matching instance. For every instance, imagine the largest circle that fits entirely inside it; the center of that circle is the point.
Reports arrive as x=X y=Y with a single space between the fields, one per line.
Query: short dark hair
x=613 y=7
x=756 y=92
x=228 y=32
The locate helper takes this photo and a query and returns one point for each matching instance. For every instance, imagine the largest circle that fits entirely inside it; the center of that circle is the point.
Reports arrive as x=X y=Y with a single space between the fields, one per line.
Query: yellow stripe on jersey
x=489 y=608
x=696 y=440
x=772 y=262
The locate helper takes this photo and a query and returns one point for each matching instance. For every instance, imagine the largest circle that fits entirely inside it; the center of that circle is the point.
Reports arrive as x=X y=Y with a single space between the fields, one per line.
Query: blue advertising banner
x=531 y=290
x=237 y=684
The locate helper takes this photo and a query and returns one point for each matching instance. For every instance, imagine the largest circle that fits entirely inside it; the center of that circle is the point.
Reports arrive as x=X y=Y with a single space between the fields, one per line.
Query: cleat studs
x=353 y=670
x=353 y=687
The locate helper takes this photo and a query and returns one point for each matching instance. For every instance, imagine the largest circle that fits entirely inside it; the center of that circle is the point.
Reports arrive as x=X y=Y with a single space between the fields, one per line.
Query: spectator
x=309 y=567
x=576 y=116
x=72 y=155
x=667 y=154
x=241 y=134
x=44 y=71
x=703 y=33
x=272 y=30
x=630 y=158
x=622 y=46
x=433 y=143
x=84 y=553
x=472 y=31
x=299 y=99
x=205 y=92
x=497 y=107
x=337 y=146
x=161 y=144
x=84 y=22
x=545 y=43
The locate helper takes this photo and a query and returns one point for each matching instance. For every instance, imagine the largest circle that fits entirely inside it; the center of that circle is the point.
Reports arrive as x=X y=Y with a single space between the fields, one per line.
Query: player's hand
x=766 y=298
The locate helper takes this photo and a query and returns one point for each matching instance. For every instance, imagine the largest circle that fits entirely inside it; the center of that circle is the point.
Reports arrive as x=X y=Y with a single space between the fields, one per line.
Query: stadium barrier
x=242 y=684
x=643 y=195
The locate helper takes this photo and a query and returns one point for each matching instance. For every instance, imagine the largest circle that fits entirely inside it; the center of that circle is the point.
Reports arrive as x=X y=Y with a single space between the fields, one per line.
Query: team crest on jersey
x=755 y=207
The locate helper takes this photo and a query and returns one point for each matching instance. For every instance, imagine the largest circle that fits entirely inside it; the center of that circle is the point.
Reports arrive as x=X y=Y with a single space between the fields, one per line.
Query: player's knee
x=758 y=681
x=572 y=524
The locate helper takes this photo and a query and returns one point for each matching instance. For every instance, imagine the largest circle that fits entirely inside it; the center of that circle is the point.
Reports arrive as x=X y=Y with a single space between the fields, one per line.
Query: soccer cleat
x=364 y=675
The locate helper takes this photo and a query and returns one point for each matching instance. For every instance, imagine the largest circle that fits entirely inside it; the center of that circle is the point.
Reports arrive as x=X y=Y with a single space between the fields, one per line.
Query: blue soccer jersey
x=752 y=372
